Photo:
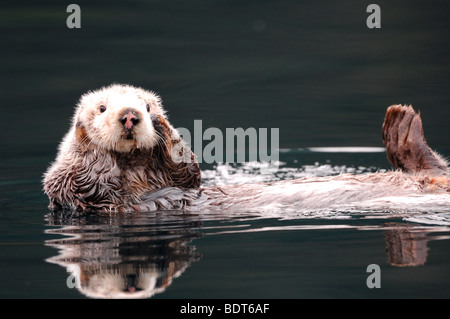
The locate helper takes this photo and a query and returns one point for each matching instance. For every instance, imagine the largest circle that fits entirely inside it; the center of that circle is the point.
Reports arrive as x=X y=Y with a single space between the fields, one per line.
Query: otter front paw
x=161 y=127
x=176 y=157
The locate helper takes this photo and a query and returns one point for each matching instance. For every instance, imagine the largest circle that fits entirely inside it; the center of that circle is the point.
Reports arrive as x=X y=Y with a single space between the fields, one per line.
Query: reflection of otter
x=119 y=156
x=406 y=247
x=124 y=258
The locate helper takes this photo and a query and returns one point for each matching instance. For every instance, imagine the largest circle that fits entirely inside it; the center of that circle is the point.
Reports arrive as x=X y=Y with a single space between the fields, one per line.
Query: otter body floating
x=120 y=155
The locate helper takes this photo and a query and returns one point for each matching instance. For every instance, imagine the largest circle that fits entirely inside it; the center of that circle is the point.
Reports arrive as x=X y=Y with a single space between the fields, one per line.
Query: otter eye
x=102 y=108
x=148 y=108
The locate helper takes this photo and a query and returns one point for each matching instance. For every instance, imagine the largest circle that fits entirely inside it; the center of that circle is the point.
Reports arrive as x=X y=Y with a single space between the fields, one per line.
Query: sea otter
x=117 y=150
x=121 y=154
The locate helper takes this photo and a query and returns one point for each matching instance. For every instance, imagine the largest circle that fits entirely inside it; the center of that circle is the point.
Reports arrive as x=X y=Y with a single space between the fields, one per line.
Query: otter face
x=117 y=118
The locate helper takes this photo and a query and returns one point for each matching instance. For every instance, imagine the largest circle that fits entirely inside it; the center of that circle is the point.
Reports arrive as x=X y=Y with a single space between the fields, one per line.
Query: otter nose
x=129 y=120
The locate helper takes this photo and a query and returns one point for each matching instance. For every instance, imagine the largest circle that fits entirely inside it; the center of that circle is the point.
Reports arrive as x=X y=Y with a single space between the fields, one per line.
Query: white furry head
x=117 y=118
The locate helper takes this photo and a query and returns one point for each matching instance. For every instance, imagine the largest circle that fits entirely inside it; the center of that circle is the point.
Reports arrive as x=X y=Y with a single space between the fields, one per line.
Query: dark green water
x=312 y=69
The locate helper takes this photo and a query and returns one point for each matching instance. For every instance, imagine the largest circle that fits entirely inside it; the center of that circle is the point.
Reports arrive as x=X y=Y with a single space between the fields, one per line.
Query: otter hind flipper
x=406 y=147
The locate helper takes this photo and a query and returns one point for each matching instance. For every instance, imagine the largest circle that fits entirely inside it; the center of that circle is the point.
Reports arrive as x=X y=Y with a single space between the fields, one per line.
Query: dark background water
x=312 y=69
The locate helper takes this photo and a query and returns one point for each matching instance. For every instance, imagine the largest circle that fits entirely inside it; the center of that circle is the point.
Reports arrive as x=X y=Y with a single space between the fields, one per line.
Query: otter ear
x=80 y=133
x=155 y=102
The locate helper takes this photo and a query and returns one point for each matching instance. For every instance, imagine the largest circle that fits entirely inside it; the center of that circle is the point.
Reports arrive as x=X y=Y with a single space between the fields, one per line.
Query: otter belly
x=374 y=192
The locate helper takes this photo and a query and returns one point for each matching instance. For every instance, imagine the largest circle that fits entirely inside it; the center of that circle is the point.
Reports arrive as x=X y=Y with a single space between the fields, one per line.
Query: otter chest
x=139 y=173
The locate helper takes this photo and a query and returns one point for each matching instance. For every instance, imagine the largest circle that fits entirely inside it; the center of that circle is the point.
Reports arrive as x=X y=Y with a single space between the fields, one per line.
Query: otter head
x=117 y=118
